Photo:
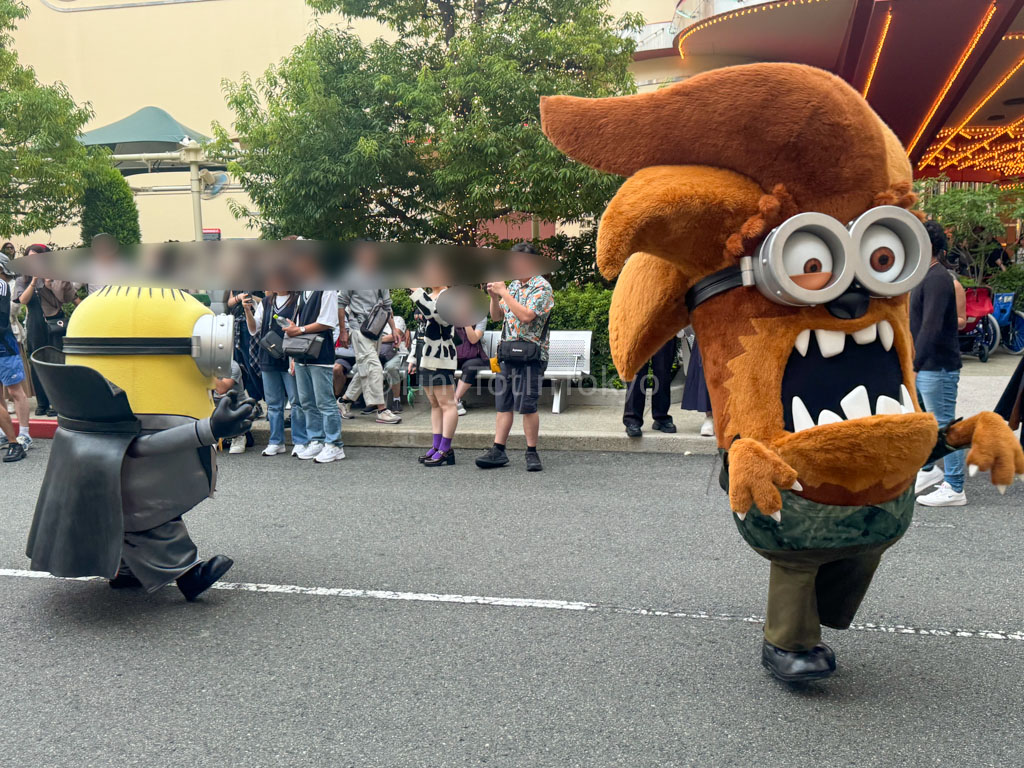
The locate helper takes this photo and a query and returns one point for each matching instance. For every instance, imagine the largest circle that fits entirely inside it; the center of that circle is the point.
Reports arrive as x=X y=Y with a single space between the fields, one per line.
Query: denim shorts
x=11 y=370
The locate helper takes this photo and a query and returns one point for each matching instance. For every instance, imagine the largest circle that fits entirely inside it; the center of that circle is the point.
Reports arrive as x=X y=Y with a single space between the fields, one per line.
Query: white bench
x=568 y=361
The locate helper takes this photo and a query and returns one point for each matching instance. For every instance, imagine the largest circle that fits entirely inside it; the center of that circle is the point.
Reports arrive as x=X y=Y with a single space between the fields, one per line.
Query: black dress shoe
x=202 y=576
x=798 y=666
x=666 y=426
x=125 y=581
x=41 y=410
x=441 y=457
x=633 y=430
x=51 y=412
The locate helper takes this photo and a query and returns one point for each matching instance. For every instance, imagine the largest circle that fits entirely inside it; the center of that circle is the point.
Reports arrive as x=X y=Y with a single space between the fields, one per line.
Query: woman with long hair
x=278 y=381
x=434 y=357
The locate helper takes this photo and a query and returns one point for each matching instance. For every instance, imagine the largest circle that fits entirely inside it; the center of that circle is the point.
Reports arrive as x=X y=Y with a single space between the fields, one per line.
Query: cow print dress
x=435 y=350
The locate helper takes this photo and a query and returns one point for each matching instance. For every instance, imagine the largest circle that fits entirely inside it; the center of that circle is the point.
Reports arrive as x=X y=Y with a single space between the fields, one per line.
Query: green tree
x=108 y=205
x=41 y=160
x=425 y=137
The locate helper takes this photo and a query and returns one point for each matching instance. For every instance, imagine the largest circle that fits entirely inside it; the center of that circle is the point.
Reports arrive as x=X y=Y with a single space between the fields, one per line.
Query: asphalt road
x=91 y=677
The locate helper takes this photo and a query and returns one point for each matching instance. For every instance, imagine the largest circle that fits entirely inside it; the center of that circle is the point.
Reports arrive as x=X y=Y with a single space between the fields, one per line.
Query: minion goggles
x=812 y=259
x=211 y=345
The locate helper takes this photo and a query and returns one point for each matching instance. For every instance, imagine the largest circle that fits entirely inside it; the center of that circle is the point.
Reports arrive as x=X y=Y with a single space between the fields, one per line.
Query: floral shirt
x=536 y=294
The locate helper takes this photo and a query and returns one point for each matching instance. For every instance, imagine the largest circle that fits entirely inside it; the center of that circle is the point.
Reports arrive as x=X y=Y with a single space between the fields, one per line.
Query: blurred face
x=8 y=249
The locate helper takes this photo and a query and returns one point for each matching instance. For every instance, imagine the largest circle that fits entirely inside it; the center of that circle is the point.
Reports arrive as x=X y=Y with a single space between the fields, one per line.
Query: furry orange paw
x=994 y=447
x=756 y=473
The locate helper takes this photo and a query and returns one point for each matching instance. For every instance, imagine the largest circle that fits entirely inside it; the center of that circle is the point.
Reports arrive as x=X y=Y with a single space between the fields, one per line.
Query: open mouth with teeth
x=834 y=376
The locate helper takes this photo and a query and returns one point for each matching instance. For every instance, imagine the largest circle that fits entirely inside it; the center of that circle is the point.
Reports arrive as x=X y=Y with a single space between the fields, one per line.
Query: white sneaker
x=345 y=410
x=311 y=451
x=943 y=496
x=26 y=441
x=387 y=417
x=237 y=445
x=298 y=448
x=461 y=408
x=330 y=453
x=926 y=478
x=273 y=449
x=707 y=429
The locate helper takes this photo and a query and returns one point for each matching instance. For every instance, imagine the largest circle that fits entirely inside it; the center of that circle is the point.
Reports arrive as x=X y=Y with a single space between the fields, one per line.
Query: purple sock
x=437 y=441
x=446 y=443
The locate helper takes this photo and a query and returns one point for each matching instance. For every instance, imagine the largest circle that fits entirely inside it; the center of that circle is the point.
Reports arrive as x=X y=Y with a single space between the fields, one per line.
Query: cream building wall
x=121 y=55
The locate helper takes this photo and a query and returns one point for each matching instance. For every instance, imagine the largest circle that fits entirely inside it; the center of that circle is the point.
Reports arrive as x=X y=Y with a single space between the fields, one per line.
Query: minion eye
x=807 y=260
x=883 y=253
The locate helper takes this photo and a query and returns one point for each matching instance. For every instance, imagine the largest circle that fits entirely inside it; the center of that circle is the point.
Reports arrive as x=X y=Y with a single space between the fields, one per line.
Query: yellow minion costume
x=133 y=449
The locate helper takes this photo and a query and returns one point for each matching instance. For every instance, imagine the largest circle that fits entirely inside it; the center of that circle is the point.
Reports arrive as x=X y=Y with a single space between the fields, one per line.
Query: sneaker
x=237 y=445
x=345 y=409
x=298 y=448
x=329 y=453
x=311 y=451
x=493 y=457
x=533 y=462
x=669 y=428
x=15 y=452
x=396 y=405
x=943 y=496
x=26 y=442
x=926 y=478
x=387 y=417
x=273 y=449
x=369 y=410
x=461 y=408
x=632 y=430
x=707 y=429
x=4 y=442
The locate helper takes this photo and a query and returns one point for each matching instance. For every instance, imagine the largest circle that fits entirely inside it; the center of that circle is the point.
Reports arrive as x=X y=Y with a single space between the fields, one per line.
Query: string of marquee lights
x=712 y=20
x=980 y=143
x=978 y=32
x=878 y=53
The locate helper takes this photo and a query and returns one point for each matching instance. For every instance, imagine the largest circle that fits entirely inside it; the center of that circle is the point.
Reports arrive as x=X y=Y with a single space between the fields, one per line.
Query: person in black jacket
x=937 y=312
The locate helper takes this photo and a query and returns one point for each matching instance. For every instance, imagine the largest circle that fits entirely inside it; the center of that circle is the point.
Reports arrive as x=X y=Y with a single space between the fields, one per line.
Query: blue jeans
x=938 y=390
x=278 y=389
x=315 y=385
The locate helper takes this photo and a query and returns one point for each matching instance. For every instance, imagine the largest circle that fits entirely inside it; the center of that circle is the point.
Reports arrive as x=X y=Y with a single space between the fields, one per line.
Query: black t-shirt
x=933 y=322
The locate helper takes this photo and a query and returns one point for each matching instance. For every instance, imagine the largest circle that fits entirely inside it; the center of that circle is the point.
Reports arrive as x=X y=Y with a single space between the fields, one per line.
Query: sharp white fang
x=801 y=416
x=885 y=334
x=857 y=404
x=803 y=340
x=828 y=417
x=866 y=335
x=776 y=516
x=906 y=401
x=886 y=405
x=831 y=343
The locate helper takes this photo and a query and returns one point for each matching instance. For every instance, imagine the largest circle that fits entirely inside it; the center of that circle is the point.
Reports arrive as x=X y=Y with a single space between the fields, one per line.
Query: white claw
x=741 y=515
x=776 y=516
x=885 y=334
x=972 y=469
x=1001 y=489
x=796 y=486
x=830 y=343
x=803 y=340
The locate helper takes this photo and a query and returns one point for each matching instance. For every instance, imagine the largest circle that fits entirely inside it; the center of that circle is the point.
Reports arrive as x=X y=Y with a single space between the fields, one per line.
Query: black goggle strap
x=85 y=345
x=718 y=282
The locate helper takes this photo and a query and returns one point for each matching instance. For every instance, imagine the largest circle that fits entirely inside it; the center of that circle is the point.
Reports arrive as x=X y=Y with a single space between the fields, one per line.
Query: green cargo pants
x=814 y=587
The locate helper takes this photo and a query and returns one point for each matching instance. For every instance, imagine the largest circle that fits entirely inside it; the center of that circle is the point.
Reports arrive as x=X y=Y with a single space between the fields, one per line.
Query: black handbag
x=273 y=343
x=57 y=326
x=305 y=348
x=519 y=351
x=376 y=319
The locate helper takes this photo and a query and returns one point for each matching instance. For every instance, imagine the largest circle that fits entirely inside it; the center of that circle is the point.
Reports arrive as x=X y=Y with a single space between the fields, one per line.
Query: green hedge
x=1010 y=281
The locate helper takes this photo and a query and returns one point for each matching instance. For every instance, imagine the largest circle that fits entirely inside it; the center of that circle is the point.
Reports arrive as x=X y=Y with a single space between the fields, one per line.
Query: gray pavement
x=287 y=678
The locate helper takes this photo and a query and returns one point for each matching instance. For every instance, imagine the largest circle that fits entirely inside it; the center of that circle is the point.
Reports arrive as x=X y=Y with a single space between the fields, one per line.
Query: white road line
x=557 y=605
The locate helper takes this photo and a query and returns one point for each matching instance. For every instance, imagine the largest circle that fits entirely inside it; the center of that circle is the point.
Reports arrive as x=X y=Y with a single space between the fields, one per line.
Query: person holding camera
x=46 y=322
x=524 y=308
x=264 y=323
x=360 y=316
x=434 y=358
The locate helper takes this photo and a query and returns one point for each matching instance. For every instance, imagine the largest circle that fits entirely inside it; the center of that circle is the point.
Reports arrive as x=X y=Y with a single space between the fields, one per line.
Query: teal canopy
x=149 y=130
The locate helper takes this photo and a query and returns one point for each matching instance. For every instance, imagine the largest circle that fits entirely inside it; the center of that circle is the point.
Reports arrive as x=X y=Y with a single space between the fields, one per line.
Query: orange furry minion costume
x=767 y=204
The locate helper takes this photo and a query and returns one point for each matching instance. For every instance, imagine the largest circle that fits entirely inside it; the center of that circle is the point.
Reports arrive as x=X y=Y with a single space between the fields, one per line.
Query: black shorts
x=517 y=386
x=442 y=377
